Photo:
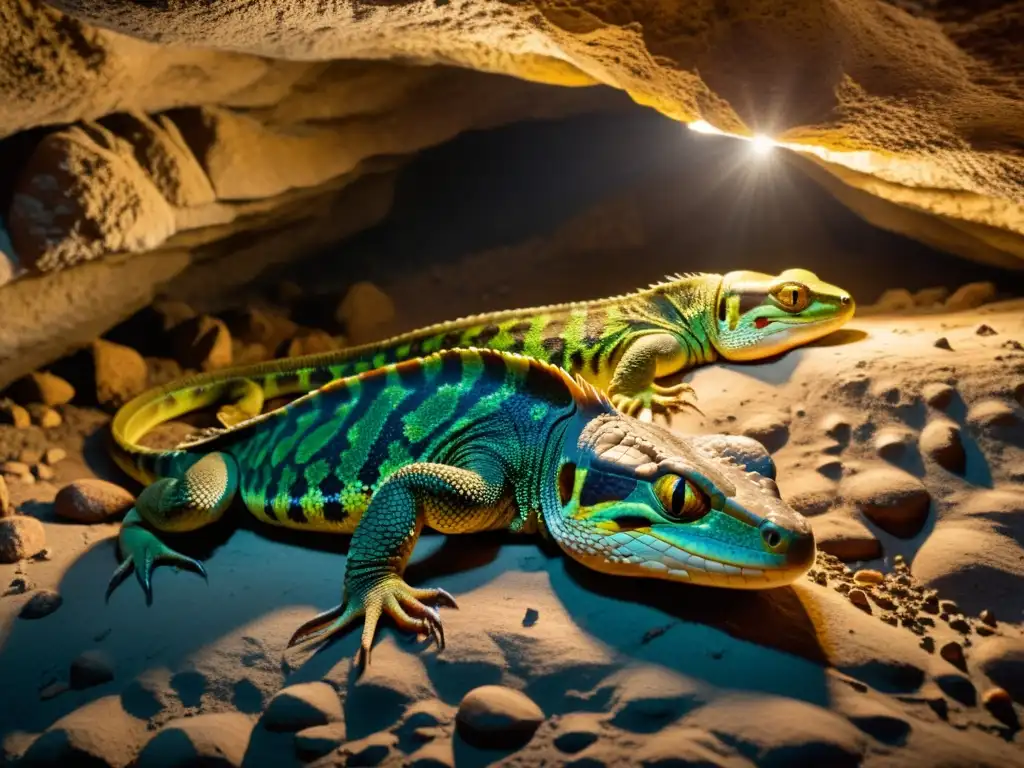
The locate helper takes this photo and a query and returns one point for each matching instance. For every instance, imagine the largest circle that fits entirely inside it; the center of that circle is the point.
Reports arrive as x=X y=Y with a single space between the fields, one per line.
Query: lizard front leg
x=448 y=499
x=647 y=358
x=173 y=505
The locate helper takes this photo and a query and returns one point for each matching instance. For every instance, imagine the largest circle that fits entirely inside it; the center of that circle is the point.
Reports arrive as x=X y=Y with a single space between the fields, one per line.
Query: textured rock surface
x=879 y=94
x=166 y=195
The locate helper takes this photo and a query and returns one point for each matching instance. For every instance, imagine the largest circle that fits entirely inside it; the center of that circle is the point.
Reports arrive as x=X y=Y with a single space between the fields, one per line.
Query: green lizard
x=462 y=440
x=621 y=345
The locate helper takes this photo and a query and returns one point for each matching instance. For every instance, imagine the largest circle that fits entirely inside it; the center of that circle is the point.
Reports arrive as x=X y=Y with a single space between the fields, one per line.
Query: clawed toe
x=406 y=606
x=143 y=558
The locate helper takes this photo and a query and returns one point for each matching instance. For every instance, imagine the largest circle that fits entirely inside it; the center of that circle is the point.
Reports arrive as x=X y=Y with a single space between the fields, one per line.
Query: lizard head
x=635 y=499
x=759 y=315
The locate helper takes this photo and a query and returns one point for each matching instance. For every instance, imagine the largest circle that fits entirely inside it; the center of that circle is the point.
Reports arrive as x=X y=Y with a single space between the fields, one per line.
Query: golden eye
x=794 y=297
x=682 y=500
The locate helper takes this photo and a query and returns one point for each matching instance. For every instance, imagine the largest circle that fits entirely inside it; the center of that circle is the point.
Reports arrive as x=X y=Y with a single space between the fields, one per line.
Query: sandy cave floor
x=625 y=672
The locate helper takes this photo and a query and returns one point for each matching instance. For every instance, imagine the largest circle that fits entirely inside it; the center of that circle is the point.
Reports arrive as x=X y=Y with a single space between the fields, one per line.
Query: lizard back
x=316 y=462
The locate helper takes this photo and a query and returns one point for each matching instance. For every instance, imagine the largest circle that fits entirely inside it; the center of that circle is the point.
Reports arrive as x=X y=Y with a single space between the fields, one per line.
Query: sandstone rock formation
x=142 y=139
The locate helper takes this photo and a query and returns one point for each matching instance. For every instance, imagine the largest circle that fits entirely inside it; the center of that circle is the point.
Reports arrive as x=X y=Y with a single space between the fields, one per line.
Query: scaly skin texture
x=467 y=440
x=621 y=345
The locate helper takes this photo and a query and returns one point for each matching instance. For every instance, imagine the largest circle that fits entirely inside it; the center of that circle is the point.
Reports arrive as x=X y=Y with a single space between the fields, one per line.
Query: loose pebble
x=91 y=501
x=971 y=296
x=942 y=442
x=896 y=501
x=953 y=652
x=44 y=416
x=860 y=598
x=90 y=669
x=496 y=716
x=943 y=343
x=21 y=537
x=302 y=706
x=120 y=373
x=988 y=617
x=1001 y=660
x=30 y=456
x=203 y=343
x=15 y=469
x=985 y=330
x=530 y=618
x=41 y=604
x=14 y=414
x=365 y=312
x=44 y=472
x=54 y=456
x=218 y=738
x=41 y=387
x=999 y=704
x=868 y=576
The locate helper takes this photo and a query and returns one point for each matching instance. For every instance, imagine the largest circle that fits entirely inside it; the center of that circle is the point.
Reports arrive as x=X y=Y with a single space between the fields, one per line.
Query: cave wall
x=927 y=98
x=192 y=144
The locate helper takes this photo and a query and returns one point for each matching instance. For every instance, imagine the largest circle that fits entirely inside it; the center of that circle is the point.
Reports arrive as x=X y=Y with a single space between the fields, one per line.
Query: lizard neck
x=684 y=305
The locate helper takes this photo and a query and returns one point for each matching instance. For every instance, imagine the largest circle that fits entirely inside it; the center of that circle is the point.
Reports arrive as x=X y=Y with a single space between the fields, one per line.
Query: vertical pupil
x=679 y=497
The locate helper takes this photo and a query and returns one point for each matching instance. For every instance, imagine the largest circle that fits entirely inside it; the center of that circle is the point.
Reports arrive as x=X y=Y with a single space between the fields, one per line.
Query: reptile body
x=622 y=344
x=461 y=441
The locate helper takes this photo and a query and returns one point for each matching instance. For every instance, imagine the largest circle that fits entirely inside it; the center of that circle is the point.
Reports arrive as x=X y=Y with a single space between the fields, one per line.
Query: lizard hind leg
x=173 y=505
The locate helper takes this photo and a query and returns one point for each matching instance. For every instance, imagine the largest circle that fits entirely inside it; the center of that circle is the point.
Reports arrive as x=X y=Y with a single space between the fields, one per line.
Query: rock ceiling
x=146 y=132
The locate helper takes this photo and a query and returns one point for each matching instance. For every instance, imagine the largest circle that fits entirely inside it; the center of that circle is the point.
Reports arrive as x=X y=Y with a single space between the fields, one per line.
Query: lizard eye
x=682 y=500
x=794 y=297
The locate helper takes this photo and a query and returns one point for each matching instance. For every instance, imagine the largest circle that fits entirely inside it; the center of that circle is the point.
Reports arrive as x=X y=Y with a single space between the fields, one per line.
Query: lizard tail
x=155 y=407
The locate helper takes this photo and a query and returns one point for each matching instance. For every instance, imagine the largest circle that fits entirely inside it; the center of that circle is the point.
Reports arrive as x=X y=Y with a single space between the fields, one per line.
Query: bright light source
x=702 y=126
x=762 y=144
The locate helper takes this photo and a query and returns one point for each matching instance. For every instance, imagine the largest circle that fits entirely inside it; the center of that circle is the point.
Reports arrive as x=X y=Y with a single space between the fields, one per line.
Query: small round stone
x=91 y=501
x=41 y=604
x=496 y=716
x=21 y=537
x=953 y=652
x=868 y=576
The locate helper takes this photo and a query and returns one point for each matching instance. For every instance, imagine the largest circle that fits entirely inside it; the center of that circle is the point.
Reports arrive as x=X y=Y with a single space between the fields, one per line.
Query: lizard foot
x=143 y=551
x=657 y=399
x=404 y=604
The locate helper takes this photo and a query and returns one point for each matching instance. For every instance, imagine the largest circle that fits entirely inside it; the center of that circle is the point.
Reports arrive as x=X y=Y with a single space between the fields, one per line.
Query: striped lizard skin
x=461 y=440
x=622 y=344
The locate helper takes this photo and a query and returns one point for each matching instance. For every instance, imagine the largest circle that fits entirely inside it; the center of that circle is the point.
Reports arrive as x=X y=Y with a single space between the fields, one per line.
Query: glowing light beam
x=762 y=144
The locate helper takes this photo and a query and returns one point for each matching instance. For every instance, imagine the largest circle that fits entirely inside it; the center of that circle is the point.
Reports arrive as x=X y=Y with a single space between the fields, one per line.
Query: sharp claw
x=119 y=576
x=327 y=622
x=447 y=598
